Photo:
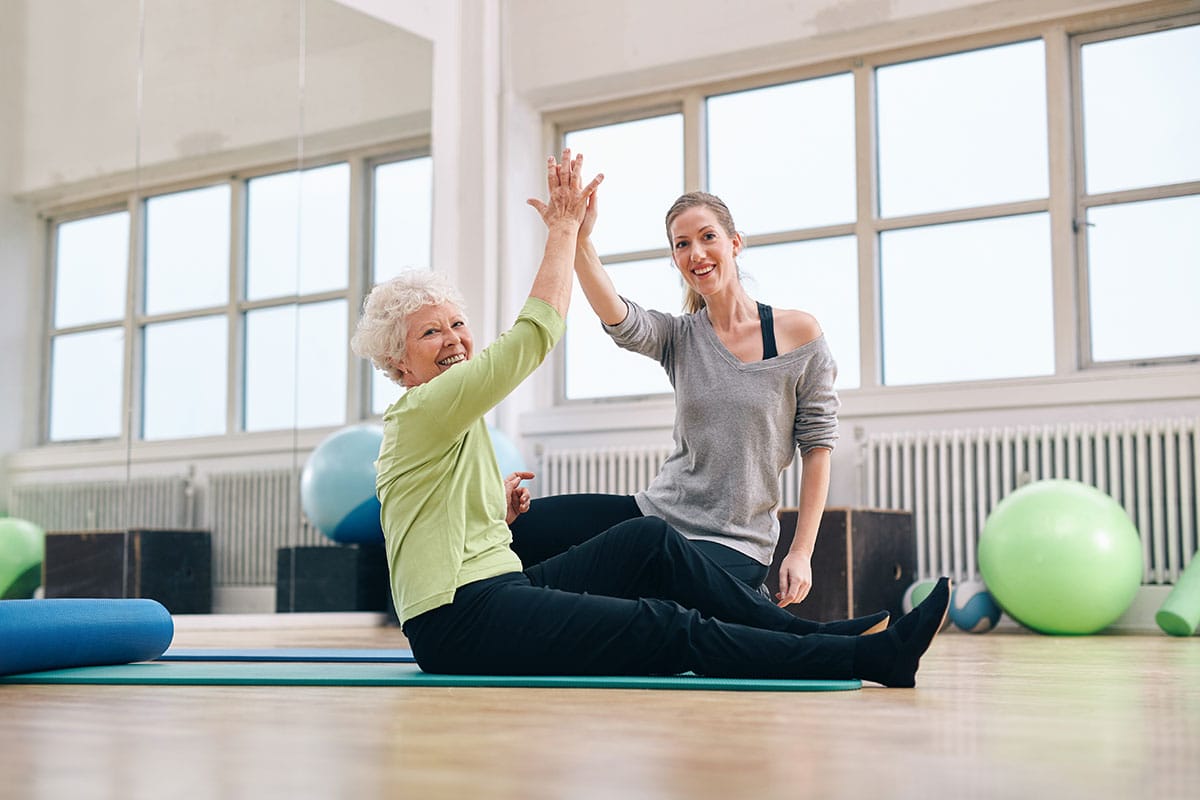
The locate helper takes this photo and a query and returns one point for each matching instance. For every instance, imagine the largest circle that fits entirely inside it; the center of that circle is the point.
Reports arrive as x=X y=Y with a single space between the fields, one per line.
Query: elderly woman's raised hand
x=568 y=197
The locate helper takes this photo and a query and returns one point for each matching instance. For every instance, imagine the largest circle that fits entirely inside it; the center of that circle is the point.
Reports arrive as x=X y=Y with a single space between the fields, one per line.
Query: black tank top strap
x=766 y=321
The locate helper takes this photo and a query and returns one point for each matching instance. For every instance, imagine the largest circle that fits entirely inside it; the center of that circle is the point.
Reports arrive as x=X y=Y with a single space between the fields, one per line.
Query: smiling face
x=437 y=339
x=703 y=250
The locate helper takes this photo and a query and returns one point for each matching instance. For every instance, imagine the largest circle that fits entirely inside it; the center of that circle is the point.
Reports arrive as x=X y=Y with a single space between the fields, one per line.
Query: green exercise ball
x=1061 y=557
x=22 y=547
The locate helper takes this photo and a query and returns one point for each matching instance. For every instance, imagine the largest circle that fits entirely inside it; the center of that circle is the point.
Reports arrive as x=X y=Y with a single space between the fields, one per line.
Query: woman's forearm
x=597 y=285
x=814 y=489
x=553 y=280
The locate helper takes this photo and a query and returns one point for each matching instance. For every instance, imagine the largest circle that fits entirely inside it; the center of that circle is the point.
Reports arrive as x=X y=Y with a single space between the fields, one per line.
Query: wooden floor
x=1007 y=715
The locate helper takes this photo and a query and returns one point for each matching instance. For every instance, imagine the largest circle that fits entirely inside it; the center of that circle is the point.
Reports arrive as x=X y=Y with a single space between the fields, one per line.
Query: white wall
x=216 y=77
x=572 y=51
x=18 y=252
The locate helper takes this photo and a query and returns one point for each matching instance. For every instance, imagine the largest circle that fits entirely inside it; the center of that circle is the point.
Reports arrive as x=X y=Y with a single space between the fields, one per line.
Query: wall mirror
x=227 y=182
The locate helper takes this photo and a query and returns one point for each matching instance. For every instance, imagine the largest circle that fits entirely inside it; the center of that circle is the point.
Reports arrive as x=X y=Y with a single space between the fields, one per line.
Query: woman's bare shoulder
x=795 y=328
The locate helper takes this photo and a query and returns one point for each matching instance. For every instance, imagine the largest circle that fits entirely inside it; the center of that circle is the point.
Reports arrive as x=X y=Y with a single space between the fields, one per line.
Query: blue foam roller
x=38 y=635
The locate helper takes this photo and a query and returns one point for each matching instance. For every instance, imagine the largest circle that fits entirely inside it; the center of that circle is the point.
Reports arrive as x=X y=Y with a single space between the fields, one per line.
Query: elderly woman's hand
x=516 y=495
x=568 y=197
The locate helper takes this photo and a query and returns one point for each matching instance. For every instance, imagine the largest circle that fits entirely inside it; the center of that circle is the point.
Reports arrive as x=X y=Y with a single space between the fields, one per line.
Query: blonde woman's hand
x=795 y=579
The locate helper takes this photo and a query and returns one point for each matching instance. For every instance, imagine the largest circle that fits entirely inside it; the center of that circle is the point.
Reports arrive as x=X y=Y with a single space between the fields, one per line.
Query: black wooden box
x=351 y=577
x=173 y=567
x=863 y=561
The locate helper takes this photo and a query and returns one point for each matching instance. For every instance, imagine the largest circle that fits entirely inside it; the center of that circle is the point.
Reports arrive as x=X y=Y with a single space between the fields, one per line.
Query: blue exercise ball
x=972 y=608
x=337 y=485
x=508 y=455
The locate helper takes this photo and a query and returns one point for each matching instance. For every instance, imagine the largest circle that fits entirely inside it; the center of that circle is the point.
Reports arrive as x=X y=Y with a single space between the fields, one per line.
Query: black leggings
x=554 y=524
x=637 y=599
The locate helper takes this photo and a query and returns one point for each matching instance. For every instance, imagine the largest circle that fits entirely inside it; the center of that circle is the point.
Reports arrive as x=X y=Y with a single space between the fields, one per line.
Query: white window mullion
x=236 y=339
x=1061 y=132
x=134 y=292
x=866 y=235
x=358 y=282
x=695 y=143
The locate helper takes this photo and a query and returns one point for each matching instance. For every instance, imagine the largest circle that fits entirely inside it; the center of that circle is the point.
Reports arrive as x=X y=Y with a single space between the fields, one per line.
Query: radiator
x=251 y=515
x=951 y=480
x=623 y=470
x=167 y=502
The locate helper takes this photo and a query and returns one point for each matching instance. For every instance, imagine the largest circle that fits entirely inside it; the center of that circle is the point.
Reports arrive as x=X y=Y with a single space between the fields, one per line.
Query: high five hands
x=569 y=199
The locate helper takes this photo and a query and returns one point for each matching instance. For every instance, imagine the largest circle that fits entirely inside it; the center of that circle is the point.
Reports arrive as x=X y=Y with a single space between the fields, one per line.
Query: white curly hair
x=383 y=326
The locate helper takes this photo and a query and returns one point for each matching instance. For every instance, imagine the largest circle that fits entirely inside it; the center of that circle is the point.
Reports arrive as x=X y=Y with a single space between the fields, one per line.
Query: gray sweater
x=737 y=427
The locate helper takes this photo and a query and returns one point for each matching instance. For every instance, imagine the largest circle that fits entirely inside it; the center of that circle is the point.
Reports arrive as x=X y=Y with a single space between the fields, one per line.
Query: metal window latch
x=1076 y=225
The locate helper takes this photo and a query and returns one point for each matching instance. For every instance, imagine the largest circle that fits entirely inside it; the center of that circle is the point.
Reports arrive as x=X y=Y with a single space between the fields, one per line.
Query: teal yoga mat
x=327 y=654
x=280 y=673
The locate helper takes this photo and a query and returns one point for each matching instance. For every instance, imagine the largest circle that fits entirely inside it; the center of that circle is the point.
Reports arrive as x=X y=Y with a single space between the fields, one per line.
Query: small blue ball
x=973 y=609
x=337 y=485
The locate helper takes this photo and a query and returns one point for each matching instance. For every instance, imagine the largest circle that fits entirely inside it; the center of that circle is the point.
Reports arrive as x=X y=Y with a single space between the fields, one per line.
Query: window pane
x=92 y=260
x=185 y=382
x=595 y=366
x=85 y=385
x=403 y=223
x=962 y=130
x=277 y=341
x=820 y=277
x=1141 y=110
x=967 y=301
x=187 y=250
x=286 y=212
x=1144 y=279
x=783 y=157
x=642 y=162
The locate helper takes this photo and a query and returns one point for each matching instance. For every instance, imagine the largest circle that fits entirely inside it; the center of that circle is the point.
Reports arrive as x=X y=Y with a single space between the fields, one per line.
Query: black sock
x=892 y=657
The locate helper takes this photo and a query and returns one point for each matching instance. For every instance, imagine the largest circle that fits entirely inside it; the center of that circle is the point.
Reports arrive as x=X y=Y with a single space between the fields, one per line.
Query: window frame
x=1084 y=202
x=50 y=331
x=361 y=161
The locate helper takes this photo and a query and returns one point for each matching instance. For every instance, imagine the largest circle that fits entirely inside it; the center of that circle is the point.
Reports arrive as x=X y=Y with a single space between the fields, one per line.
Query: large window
x=87 y=334
x=237 y=316
x=782 y=159
x=964 y=134
x=642 y=161
x=1140 y=197
x=913 y=205
x=186 y=272
x=401 y=219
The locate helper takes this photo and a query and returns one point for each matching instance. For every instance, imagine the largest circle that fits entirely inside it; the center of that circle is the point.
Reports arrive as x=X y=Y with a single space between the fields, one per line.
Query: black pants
x=554 y=524
x=637 y=599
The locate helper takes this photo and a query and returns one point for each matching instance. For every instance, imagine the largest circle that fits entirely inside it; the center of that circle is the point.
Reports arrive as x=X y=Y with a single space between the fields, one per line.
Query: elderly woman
x=637 y=599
